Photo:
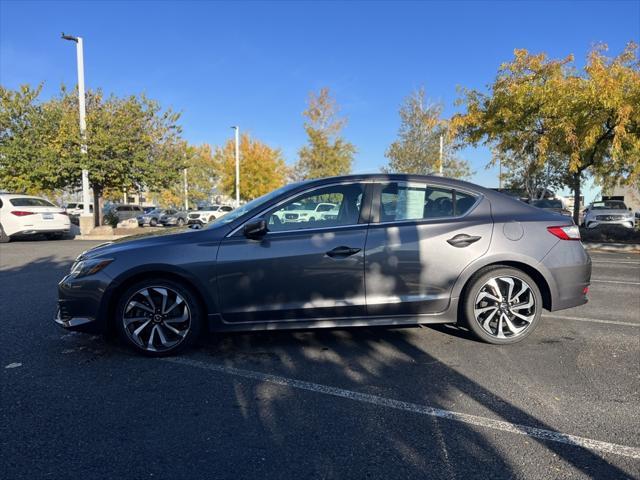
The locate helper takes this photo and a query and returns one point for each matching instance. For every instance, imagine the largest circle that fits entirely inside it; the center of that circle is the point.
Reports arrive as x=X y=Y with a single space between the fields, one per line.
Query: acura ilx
x=395 y=250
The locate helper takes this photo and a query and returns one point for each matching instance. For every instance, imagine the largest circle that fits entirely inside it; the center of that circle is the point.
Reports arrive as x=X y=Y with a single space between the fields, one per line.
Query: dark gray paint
x=285 y=280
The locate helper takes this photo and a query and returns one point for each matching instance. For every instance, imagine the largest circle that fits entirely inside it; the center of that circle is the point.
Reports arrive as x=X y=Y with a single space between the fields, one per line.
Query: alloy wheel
x=156 y=319
x=505 y=307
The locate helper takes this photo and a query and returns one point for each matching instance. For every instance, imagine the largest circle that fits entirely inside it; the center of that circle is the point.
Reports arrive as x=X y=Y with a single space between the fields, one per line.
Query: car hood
x=167 y=236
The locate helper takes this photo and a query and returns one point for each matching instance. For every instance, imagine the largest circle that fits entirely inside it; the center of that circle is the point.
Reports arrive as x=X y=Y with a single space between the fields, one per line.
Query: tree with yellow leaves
x=541 y=110
x=262 y=168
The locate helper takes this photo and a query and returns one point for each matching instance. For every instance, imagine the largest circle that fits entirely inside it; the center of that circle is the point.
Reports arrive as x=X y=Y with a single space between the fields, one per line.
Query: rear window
x=30 y=202
x=548 y=204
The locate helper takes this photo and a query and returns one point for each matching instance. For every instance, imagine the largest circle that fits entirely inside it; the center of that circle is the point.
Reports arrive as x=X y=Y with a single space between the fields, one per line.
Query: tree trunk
x=576 y=198
x=98 y=203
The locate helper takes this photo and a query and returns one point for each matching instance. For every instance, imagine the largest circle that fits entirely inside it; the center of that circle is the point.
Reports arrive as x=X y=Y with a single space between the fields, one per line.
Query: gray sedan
x=401 y=250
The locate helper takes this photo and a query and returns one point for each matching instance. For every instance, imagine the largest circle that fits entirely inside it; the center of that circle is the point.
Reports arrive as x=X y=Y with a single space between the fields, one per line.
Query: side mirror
x=255 y=229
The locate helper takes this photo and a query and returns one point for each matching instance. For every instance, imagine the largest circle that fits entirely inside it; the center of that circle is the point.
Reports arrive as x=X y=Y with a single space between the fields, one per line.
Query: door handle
x=462 y=240
x=342 y=252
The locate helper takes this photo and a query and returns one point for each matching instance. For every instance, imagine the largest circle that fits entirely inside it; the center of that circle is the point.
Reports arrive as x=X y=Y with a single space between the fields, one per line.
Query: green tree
x=327 y=153
x=417 y=149
x=28 y=131
x=262 y=168
x=131 y=144
x=545 y=110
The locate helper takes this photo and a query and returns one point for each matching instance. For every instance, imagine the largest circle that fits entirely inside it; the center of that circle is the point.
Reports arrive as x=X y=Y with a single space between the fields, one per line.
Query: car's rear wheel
x=4 y=238
x=159 y=317
x=502 y=305
x=180 y=222
x=153 y=222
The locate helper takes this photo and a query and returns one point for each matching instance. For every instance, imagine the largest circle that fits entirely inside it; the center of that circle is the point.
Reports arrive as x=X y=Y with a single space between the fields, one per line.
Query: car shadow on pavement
x=351 y=359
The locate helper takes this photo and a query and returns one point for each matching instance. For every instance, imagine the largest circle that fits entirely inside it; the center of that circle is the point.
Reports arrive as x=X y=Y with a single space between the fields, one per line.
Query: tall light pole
x=83 y=123
x=237 y=129
x=186 y=191
x=441 y=152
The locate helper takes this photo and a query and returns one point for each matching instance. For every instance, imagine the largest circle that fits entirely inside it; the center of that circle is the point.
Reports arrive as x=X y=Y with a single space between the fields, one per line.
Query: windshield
x=253 y=204
x=548 y=204
x=30 y=202
x=72 y=205
x=609 y=205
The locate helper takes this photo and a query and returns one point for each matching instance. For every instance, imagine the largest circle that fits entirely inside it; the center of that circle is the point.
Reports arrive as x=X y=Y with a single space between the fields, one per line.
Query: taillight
x=22 y=213
x=565 y=232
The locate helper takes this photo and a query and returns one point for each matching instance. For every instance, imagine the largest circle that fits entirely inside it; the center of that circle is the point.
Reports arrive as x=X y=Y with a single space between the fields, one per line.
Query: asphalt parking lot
x=358 y=403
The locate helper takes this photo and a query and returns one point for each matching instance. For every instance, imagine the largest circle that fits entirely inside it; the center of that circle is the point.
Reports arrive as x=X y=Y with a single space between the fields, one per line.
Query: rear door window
x=405 y=201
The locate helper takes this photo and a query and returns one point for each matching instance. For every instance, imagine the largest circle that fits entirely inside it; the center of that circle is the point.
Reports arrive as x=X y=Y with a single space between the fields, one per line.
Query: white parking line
x=608 y=262
x=534 y=432
x=597 y=280
x=593 y=320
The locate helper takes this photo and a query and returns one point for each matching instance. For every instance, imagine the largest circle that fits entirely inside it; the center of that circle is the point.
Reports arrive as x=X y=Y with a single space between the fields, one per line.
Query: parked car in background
x=28 y=215
x=74 y=210
x=172 y=217
x=552 y=205
x=150 y=217
x=207 y=213
x=149 y=208
x=308 y=212
x=118 y=212
x=609 y=212
x=403 y=250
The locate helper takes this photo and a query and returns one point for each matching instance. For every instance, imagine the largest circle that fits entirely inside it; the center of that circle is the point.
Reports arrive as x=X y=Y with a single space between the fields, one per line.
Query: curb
x=99 y=237
x=612 y=247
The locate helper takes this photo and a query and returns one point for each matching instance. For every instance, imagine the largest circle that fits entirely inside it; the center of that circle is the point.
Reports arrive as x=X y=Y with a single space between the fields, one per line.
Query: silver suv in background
x=609 y=212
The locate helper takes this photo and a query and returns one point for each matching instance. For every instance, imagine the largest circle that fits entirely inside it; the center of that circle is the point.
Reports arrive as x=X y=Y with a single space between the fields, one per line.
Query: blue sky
x=253 y=64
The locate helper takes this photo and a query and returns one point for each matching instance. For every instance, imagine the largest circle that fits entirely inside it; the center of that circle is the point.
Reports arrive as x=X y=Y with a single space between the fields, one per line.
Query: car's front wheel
x=159 y=317
x=502 y=305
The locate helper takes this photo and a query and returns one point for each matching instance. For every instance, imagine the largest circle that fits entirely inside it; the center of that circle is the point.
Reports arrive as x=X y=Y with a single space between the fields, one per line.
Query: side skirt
x=216 y=324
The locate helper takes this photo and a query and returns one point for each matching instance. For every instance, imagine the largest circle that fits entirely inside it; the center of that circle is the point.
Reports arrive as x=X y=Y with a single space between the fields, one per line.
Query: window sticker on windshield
x=410 y=204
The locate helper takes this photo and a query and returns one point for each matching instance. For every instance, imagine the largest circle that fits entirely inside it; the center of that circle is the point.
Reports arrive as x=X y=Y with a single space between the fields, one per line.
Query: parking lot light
x=83 y=124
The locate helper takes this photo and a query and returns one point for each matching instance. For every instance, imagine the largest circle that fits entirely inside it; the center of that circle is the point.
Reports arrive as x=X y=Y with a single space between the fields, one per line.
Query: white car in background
x=609 y=212
x=207 y=213
x=298 y=212
x=28 y=215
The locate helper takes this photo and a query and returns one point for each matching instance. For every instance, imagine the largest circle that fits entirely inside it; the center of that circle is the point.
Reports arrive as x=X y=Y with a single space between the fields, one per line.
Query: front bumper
x=626 y=223
x=80 y=302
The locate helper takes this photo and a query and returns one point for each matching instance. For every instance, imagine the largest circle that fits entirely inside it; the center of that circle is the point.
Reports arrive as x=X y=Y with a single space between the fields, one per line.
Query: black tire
x=193 y=307
x=153 y=222
x=4 y=238
x=180 y=222
x=479 y=282
x=54 y=236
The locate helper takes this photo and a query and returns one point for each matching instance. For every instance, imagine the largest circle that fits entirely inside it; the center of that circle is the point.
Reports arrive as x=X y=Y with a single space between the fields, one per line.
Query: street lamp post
x=237 y=129
x=83 y=123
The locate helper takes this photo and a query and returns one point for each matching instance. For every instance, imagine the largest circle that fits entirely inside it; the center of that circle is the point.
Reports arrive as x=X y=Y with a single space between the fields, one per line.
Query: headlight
x=84 y=268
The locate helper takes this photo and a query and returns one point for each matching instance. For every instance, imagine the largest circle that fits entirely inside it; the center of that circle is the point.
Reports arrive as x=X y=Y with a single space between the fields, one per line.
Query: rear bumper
x=569 y=274
x=37 y=231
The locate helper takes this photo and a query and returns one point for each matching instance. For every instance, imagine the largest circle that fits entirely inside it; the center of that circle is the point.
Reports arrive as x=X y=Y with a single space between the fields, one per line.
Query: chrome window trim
x=318 y=187
x=420 y=221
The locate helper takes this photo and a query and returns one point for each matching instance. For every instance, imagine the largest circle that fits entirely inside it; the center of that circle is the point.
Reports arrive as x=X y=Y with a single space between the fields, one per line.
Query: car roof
x=401 y=177
x=18 y=195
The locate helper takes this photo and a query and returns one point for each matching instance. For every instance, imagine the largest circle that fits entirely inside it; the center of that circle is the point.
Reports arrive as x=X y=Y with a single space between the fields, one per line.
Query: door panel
x=307 y=266
x=289 y=276
x=410 y=265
